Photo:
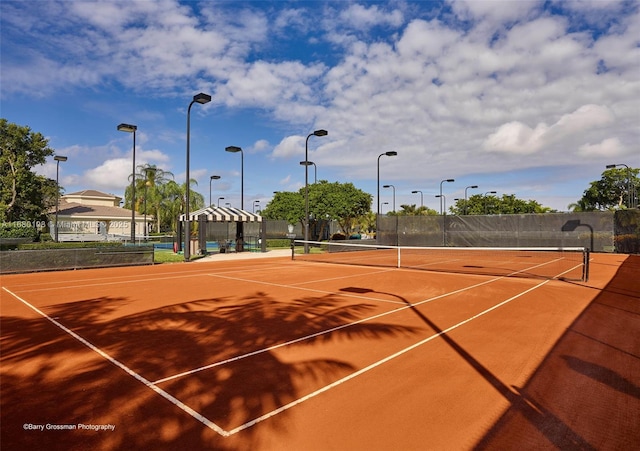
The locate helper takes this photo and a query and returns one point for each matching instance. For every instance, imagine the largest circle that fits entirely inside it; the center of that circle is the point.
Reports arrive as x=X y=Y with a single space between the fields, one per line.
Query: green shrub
x=278 y=243
x=67 y=245
x=45 y=237
x=18 y=229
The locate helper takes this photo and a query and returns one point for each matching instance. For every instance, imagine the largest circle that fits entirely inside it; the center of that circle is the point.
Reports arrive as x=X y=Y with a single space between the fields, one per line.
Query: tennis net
x=568 y=263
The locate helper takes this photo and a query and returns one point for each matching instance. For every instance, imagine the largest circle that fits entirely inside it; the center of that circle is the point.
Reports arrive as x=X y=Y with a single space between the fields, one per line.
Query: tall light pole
x=128 y=128
x=58 y=159
x=211 y=179
x=394 y=195
x=239 y=225
x=219 y=199
x=485 y=199
x=444 y=218
x=385 y=203
x=613 y=166
x=200 y=98
x=443 y=199
x=421 y=198
x=391 y=153
x=235 y=149
x=319 y=132
x=254 y=204
x=447 y=180
x=315 y=169
x=465 y=196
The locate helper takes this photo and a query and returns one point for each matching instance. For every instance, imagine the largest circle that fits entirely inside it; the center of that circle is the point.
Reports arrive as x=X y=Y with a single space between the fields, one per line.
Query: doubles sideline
x=153 y=385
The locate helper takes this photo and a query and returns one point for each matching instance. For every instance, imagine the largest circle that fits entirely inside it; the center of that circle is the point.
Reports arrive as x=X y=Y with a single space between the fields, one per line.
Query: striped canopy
x=223 y=214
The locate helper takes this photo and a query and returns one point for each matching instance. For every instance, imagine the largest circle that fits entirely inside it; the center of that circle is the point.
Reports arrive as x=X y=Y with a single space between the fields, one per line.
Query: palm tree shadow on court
x=551 y=426
x=231 y=346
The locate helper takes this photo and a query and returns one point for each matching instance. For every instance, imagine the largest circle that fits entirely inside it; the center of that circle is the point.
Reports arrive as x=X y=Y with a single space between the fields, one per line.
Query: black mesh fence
x=627 y=231
x=57 y=259
x=599 y=231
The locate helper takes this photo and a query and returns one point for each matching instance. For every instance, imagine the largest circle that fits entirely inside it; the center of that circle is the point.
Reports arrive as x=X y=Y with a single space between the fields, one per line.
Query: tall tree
x=412 y=210
x=24 y=195
x=149 y=180
x=611 y=191
x=342 y=202
x=286 y=205
x=508 y=204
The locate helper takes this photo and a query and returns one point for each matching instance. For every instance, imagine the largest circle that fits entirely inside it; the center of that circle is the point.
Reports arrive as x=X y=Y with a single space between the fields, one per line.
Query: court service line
x=323 y=332
x=297 y=287
x=129 y=279
x=378 y=363
x=210 y=424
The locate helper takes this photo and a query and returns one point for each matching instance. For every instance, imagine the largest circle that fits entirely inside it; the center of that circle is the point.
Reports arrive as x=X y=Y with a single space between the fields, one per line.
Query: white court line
x=323 y=332
x=375 y=364
x=133 y=279
x=210 y=424
x=296 y=286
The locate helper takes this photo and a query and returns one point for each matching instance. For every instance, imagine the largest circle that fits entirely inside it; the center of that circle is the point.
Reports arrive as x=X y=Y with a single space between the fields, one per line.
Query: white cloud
x=113 y=174
x=426 y=40
x=289 y=146
x=362 y=18
x=151 y=156
x=511 y=78
x=494 y=12
x=518 y=138
x=609 y=147
x=261 y=145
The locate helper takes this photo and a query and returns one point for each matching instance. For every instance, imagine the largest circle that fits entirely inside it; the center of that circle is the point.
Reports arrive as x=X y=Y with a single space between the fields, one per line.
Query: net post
x=585 y=264
x=292 y=237
x=399 y=262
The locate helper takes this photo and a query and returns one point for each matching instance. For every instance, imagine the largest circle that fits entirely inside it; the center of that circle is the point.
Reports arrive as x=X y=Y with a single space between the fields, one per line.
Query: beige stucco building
x=91 y=215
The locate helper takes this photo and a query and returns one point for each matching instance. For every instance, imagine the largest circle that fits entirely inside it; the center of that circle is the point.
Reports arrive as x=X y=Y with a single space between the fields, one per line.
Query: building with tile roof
x=91 y=215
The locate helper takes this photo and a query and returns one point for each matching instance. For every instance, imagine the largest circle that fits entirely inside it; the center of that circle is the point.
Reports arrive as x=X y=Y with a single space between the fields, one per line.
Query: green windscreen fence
x=607 y=231
x=15 y=261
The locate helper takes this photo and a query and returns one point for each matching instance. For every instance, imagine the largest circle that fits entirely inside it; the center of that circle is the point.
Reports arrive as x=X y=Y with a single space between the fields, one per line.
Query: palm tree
x=153 y=178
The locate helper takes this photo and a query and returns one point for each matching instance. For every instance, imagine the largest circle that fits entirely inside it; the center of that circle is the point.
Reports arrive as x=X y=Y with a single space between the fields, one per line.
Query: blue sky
x=531 y=98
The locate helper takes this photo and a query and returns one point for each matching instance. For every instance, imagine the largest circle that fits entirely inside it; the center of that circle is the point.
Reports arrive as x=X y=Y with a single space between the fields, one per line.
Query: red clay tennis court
x=278 y=354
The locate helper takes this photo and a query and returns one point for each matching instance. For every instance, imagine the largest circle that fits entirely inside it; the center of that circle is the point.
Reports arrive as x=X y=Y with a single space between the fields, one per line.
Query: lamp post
x=254 y=205
x=421 y=198
x=235 y=149
x=443 y=199
x=239 y=225
x=394 y=195
x=319 y=132
x=58 y=159
x=200 y=98
x=440 y=196
x=465 y=196
x=315 y=169
x=391 y=153
x=485 y=199
x=128 y=128
x=219 y=199
x=211 y=179
x=613 y=166
x=385 y=203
